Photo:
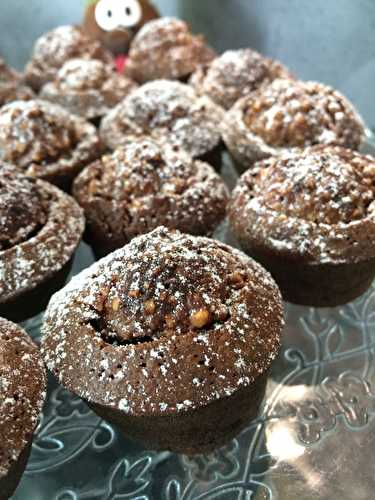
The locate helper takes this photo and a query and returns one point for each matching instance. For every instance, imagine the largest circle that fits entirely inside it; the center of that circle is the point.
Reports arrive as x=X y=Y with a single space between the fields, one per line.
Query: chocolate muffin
x=40 y=228
x=89 y=88
x=289 y=114
x=46 y=141
x=11 y=86
x=22 y=391
x=142 y=186
x=168 y=112
x=235 y=74
x=56 y=47
x=166 y=49
x=309 y=218
x=170 y=338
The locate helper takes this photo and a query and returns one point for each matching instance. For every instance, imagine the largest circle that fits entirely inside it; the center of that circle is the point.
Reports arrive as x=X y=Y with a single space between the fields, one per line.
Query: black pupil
x=128 y=11
x=109 y=13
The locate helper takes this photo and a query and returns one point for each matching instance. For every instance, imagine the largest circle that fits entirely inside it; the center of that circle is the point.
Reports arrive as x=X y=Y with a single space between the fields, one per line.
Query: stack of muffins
x=170 y=330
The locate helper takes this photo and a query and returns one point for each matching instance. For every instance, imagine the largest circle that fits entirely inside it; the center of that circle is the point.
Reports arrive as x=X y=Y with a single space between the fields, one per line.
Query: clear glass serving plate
x=314 y=438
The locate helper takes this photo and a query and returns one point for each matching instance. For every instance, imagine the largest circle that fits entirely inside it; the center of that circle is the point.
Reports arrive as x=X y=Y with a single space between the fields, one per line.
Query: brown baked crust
x=235 y=74
x=11 y=86
x=45 y=235
x=22 y=393
x=290 y=114
x=168 y=112
x=314 y=207
x=46 y=141
x=56 y=47
x=166 y=49
x=167 y=324
x=142 y=186
x=87 y=87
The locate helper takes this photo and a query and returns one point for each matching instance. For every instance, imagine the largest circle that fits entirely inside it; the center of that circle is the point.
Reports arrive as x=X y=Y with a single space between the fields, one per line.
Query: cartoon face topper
x=115 y=22
x=118 y=14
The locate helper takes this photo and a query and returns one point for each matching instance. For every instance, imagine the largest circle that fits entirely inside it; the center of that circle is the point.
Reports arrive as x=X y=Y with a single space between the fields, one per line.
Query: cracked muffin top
x=46 y=141
x=319 y=204
x=142 y=186
x=290 y=114
x=168 y=323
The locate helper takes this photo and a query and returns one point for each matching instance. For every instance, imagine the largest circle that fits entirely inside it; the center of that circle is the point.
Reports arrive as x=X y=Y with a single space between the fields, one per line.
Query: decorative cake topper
x=115 y=22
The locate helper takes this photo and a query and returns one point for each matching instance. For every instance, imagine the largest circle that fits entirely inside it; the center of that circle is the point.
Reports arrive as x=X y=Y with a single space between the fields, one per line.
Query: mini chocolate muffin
x=46 y=141
x=309 y=218
x=289 y=114
x=56 y=47
x=89 y=88
x=40 y=229
x=170 y=338
x=166 y=49
x=11 y=86
x=22 y=394
x=168 y=112
x=142 y=186
x=235 y=74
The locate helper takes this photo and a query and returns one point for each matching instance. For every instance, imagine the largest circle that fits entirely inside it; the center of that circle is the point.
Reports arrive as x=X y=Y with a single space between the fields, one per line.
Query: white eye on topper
x=113 y=14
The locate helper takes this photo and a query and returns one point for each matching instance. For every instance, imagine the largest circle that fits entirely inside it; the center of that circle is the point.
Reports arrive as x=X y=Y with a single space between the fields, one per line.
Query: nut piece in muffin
x=168 y=112
x=235 y=74
x=309 y=218
x=289 y=114
x=165 y=337
x=88 y=87
x=44 y=140
x=11 y=86
x=40 y=229
x=56 y=47
x=166 y=49
x=142 y=186
x=22 y=394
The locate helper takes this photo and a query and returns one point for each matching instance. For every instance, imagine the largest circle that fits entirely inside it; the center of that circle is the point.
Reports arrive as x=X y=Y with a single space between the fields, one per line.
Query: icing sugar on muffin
x=166 y=337
x=309 y=218
x=235 y=74
x=46 y=141
x=40 y=229
x=168 y=112
x=56 y=47
x=166 y=49
x=142 y=186
x=22 y=394
x=290 y=114
x=89 y=88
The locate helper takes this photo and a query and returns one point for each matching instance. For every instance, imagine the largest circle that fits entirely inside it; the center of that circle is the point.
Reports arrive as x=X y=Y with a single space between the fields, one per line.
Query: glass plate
x=314 y=437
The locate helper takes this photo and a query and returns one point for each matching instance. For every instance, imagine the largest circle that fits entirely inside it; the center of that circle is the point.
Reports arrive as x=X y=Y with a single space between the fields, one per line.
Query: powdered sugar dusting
x=290 y=114
x=45 y=247
x=197 y=315
x=311 y=203
x=22 y=392
x=141 y=186
x=169 y=112
x=88 y=87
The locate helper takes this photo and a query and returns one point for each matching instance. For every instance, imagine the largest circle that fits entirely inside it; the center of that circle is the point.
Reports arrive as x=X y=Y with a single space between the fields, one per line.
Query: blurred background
x=331 y=41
